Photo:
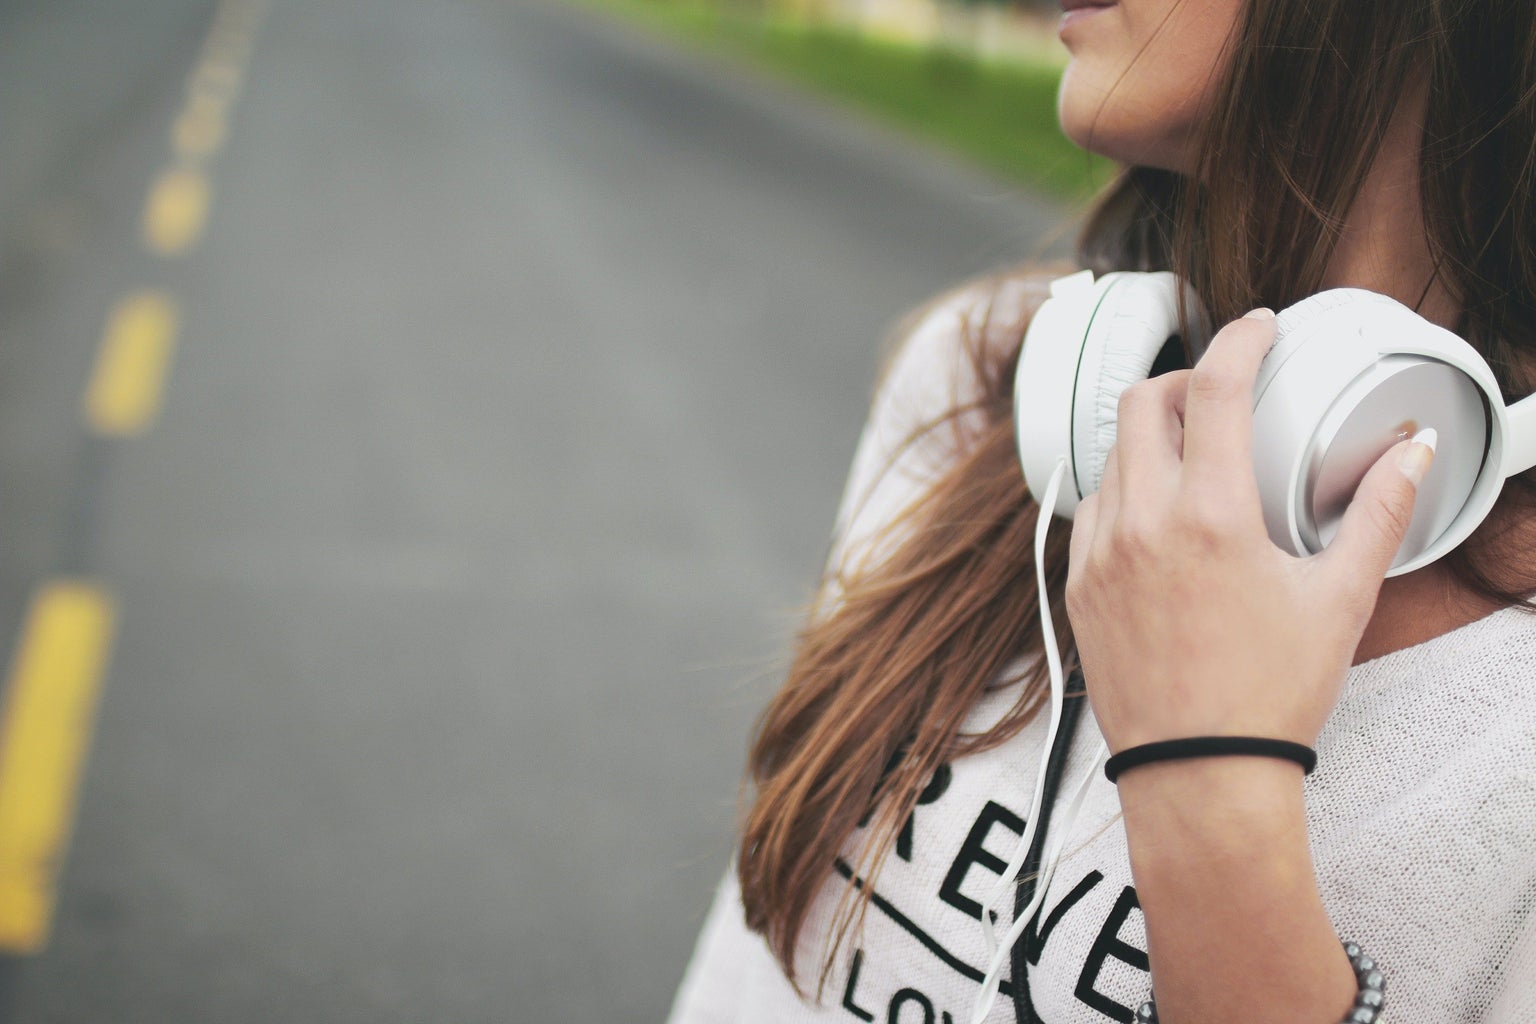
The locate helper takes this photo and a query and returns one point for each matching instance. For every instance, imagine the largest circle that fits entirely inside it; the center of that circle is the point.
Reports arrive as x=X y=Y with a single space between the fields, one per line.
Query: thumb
x=1377 y=518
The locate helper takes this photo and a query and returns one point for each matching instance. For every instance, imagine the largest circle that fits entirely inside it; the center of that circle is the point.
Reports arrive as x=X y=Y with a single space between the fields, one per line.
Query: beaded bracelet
x=1368 y=1000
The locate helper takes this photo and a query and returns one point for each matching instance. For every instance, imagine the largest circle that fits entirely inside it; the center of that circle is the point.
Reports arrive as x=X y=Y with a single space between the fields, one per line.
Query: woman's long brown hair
x=888 y=666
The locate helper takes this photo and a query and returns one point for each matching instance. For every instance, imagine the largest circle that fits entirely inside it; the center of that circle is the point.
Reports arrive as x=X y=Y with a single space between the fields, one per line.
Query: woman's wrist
x=1225 y=880
x=1197 y=828
x=1215 y=799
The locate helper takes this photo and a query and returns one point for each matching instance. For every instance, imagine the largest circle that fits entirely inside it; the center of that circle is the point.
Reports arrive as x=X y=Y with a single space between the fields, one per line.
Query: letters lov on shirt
x=930 y=895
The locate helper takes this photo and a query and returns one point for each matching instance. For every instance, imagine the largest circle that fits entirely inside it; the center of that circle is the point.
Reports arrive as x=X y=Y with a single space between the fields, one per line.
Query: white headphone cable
x=998 y=954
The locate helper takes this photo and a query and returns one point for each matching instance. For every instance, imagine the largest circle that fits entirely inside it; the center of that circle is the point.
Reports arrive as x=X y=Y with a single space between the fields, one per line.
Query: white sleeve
x=911 y=393
x=1515 y=1002
x=710 y=992
x=879 y=485
x=930 y=374
x=909 y=439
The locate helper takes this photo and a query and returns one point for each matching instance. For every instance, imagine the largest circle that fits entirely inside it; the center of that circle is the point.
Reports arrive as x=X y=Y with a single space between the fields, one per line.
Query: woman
x=1275 y=148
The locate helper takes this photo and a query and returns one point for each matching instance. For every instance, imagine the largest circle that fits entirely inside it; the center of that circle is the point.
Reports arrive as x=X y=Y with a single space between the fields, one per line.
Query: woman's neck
x=1384 y=248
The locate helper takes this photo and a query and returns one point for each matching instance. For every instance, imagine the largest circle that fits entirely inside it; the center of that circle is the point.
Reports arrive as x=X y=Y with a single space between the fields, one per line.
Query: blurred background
x=419 y=426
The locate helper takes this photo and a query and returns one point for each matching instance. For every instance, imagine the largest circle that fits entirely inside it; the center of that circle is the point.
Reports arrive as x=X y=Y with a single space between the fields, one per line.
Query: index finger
x=1218 y=407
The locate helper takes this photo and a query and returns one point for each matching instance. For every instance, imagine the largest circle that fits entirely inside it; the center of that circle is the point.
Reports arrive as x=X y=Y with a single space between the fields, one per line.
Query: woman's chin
x=1091 y=124
x=1081 y=115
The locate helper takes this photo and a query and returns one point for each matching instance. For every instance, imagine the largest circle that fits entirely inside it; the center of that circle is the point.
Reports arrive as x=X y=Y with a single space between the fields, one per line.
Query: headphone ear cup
x=1136 y=320
x=1351 y=373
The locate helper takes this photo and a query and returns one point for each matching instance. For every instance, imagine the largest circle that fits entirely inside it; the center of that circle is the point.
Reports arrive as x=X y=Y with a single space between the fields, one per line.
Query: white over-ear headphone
x=1351 y=373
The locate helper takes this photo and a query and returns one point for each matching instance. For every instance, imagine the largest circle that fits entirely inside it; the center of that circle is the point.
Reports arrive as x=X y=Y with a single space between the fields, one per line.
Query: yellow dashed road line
x=124 y=395
x=199 y=131
x=48 y=705
x=176 y=211
x=54 y=681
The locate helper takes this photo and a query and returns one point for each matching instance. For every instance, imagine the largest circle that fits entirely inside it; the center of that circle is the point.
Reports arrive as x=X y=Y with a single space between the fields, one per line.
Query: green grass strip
x=1000 y=115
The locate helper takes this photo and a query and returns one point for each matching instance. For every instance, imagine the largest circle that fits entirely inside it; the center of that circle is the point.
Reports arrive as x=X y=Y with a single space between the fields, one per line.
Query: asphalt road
x=518 y=366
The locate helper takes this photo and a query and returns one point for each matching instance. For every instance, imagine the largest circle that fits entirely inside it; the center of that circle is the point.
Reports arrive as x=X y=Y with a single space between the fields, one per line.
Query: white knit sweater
x=1422 y=818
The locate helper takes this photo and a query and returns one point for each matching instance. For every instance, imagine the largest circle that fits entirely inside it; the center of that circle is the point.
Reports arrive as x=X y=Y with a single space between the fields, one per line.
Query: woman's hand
x=1188 y=620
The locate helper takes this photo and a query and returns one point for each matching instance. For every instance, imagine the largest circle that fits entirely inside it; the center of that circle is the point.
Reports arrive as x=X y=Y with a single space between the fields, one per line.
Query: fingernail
x=1415 y=460
x=1262 y=313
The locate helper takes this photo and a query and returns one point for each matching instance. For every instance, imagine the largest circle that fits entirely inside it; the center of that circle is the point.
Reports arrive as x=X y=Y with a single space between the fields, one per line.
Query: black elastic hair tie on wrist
x=1209 y=746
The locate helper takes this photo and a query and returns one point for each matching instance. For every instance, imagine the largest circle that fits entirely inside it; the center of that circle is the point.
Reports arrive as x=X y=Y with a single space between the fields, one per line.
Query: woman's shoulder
x=945 y=357
x=938 y=387
x=984 y=317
